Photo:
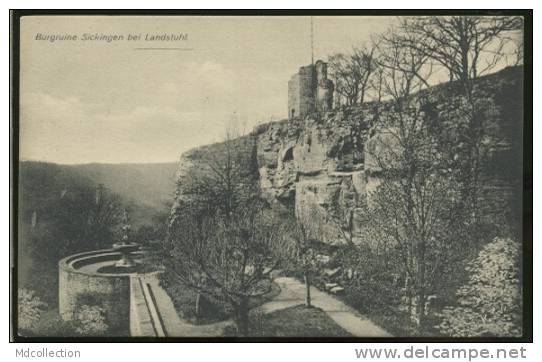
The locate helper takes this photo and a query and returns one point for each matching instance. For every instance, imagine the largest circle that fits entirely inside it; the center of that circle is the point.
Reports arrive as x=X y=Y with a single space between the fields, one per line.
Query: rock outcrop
x=315 y=165
x=321 y=166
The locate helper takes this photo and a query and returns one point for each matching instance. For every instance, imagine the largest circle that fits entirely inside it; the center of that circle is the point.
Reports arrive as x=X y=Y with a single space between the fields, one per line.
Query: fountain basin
x=94 y=276
x=126 y=247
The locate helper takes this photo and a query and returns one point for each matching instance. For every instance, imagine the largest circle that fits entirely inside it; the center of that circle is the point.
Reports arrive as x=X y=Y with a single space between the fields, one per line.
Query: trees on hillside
x=415 y=206
x=224 y=242
x=429 y=189
x=415 y=202
x=466 y=47
x=82 y=218
x=59 y=220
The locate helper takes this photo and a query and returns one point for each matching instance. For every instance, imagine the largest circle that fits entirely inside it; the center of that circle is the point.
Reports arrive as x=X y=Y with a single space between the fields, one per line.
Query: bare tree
x=352 y=73
x=405 y=70
x=467 y=47
x=376 y=83
x=222 y=240
x=304 y=229
x=364 y=63
x=414 y=204
x=230 y=260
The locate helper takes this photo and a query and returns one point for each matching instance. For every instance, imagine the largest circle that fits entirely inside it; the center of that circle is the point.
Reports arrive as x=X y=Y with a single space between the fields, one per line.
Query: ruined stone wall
x=314 y=166
x=324 y=88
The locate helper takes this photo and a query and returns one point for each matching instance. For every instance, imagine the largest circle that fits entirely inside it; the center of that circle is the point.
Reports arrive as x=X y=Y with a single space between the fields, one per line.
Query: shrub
x=490 y=303
x=91 y=321
x=30 y=308
x=52 y=325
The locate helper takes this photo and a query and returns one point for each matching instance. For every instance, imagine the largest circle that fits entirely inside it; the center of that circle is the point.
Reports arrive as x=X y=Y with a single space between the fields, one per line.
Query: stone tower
x=324 y=88
x=309 y=91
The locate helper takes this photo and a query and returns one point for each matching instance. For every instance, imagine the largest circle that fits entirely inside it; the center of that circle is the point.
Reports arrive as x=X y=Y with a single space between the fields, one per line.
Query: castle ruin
x=310 y=91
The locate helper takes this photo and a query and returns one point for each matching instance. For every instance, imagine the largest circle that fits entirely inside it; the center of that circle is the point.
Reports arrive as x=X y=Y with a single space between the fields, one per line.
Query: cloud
x=153 y=124
x=100 y=102
x=71 y=131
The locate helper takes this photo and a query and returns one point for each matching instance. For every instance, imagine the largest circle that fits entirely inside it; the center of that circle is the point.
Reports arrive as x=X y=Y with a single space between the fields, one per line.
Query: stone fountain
x=125 y=247
x=107 y=274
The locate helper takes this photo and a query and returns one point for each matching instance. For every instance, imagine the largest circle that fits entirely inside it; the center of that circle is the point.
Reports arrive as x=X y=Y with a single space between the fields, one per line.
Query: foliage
x=156 y=231
x=414 y=210
x=60 y=213
x=77 y=219
x=52 y=325
x=229 y=259
x=91 y=321
x=490 y=303
x=465 y=47
x=373 y=279
x=29 y=309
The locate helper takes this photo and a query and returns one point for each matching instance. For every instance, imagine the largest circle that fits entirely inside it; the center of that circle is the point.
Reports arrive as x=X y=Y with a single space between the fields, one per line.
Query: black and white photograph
x=271 y=176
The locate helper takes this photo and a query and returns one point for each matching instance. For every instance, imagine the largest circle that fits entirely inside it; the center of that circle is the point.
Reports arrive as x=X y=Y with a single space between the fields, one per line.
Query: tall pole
x=312 y=43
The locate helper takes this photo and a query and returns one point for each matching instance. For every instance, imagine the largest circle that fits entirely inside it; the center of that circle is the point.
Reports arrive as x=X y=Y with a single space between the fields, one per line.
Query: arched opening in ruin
x=292 y=113
x=288 y=155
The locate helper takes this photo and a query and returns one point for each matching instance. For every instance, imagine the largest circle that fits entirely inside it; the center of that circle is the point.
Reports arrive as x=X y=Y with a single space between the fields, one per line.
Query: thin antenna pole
x=312 y=43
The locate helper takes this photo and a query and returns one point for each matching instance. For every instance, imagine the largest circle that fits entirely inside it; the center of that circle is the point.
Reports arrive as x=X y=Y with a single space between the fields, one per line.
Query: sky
x=113 y=102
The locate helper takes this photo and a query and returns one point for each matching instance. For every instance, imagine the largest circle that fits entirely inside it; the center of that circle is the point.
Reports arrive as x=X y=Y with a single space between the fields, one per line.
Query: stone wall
x=144 y=315
x=324 y=88
x=315 y=166
x=112 y=291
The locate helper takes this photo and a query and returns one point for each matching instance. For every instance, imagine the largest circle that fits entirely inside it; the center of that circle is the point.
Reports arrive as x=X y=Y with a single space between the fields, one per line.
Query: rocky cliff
x=318 y=165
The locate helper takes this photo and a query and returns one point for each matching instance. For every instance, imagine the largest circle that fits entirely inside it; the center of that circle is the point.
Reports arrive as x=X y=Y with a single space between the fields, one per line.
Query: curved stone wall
x=80 y=281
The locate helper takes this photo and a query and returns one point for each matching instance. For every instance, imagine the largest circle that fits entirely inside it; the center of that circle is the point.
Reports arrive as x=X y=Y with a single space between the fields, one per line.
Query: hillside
x=146 y=184
x=126 y=180
x=57 y=211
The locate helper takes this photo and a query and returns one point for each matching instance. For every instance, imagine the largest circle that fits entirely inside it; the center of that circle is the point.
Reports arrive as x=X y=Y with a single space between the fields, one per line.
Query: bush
x=91 y=321
x=490 y=303
x=52 y=325
x=29 y=309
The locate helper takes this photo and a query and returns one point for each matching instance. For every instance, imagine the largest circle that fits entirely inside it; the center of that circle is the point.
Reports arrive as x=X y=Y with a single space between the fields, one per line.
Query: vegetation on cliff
x=406 y=181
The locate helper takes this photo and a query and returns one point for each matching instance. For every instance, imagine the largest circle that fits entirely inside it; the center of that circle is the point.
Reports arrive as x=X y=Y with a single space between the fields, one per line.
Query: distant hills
x=150 y=184
x=147 y=186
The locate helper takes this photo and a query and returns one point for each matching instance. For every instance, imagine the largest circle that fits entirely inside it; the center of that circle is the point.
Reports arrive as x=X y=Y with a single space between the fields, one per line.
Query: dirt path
x=293 y=293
